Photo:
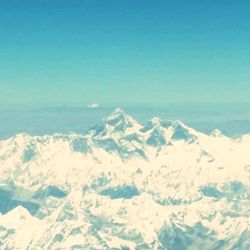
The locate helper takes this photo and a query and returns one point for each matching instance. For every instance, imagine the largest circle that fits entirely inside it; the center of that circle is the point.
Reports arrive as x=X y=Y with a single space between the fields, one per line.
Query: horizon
x=233 y=120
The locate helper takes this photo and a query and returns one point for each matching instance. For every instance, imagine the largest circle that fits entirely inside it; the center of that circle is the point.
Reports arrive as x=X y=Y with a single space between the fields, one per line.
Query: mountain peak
x=119 y=116
x=20 y=213
x=156 y=121
x=118 y=111
x=155 y=132
x=117 y=123
x=216 y=133
x=180 y=131
x=116 y=115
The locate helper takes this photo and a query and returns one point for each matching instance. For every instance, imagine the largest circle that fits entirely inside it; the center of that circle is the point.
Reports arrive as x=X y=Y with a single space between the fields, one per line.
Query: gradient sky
x=124 y=52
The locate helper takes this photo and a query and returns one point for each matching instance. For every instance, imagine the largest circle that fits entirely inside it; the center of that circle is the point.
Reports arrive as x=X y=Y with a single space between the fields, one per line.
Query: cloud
x=93 y=105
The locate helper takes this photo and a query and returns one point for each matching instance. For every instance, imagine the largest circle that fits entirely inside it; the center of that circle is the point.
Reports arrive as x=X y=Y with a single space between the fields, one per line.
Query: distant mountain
x=123 y=185
x=117 y=124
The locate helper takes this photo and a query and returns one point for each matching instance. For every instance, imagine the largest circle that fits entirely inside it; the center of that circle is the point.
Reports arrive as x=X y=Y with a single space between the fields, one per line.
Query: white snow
x=174 y=183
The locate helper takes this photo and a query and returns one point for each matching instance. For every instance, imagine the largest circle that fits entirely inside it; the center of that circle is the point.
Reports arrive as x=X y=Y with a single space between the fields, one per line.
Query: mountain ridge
x=123 y=185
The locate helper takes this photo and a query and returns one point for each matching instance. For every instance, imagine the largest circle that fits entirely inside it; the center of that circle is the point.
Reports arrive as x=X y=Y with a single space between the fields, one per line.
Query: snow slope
x=123 y=185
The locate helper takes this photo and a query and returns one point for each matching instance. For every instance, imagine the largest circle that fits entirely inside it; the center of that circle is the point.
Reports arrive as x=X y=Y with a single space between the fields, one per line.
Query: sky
x=131 y=52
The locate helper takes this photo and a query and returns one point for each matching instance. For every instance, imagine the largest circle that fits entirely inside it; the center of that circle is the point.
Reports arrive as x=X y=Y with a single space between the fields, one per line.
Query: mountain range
x=124 y=185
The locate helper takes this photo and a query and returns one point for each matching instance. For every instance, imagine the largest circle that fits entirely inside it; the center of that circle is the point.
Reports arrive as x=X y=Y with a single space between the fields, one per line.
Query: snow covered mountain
x=123 y=185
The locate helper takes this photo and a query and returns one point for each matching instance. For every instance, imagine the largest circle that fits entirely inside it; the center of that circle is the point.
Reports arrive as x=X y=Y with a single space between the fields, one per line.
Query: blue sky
x=133 y=52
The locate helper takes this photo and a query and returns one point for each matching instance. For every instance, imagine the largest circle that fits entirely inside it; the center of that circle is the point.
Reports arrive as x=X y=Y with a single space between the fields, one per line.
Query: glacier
x=125 y=185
